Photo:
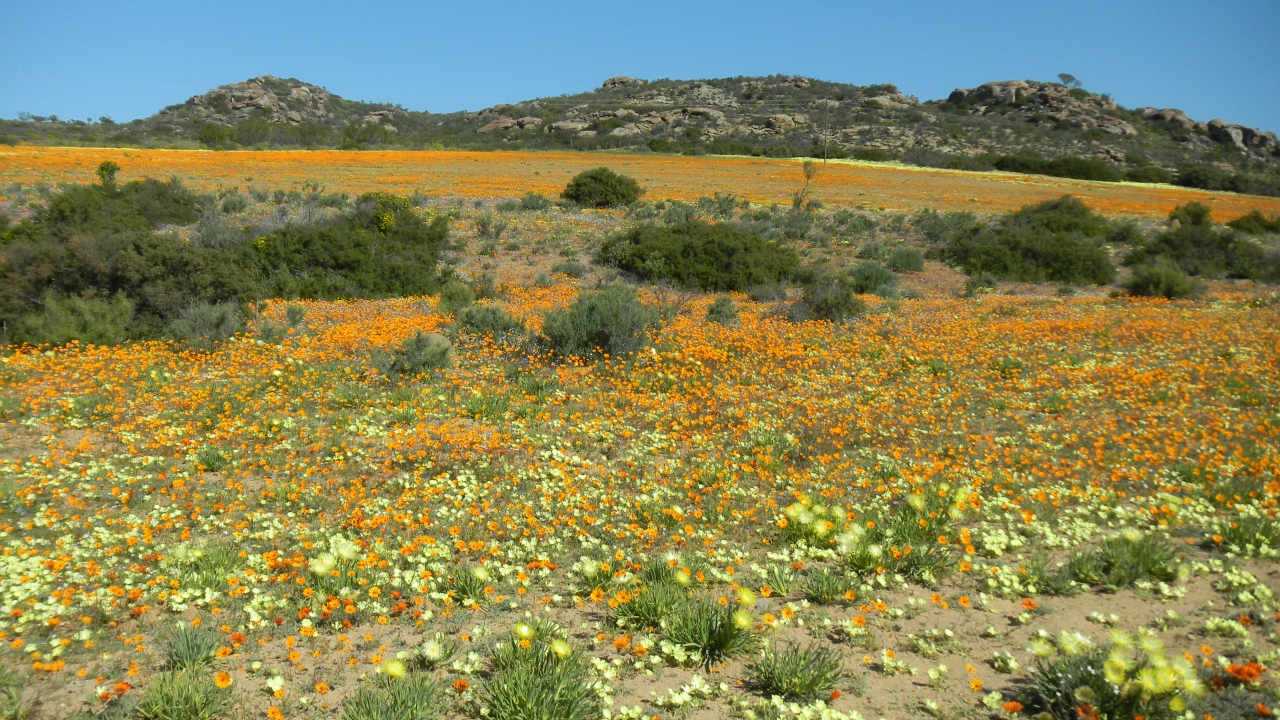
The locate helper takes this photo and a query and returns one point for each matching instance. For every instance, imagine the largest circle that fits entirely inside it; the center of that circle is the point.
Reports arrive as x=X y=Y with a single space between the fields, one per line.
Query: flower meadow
x=510 y=174
x=989 y=506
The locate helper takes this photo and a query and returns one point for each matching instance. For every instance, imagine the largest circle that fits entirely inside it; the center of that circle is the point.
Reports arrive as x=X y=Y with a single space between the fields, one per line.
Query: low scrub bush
x=1210 y=177
x=699 y=255
x=872 y=278
x=796 y=673
x=906 y=260
x=1149 y=174
x=572 y=268
x=203 y=325
x=723 y=311
x=610 y=320
x=1055 y=241
x=421 y=353
x=1201 y=248
x=1255 y=223
x=382 y=248
x=62 y=319
x=827 y=586
x=829 y=296
x=534 y=202
x=602 y=187
x=455 y=296
x=1160 y=277
x=1080 y=168
x=489 y=320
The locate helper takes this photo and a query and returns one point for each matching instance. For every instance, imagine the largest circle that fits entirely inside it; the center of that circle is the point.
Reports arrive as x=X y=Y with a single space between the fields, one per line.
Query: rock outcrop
x=267 y=97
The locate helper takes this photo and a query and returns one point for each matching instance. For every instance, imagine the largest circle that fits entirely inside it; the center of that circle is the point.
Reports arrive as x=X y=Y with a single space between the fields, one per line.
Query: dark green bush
x=380 y=249
x=1209 y=177
x=1149 y=174
x=1054 y=241
x=610 y=320
x=906 y=260
x=1200 y=248
x=978 y=282
x=488 y=320
x=1080 y=168
x=699 y=255
x=602 y=187
x=1161 y=277
x=1255 y=223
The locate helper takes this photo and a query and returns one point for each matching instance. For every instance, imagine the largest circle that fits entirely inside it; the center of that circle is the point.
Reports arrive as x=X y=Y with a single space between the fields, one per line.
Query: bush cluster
x=97 y=266
x=1198 y=247
x=1080 y=168
x=1054 y=241
x=699 y=255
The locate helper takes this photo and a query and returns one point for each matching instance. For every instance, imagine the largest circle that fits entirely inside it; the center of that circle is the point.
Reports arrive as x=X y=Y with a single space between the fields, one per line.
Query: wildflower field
x=509 y=174
x=1024 y=503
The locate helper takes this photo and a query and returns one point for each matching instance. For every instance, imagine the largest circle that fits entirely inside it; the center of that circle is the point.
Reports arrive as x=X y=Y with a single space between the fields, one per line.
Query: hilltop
x=1023 y=126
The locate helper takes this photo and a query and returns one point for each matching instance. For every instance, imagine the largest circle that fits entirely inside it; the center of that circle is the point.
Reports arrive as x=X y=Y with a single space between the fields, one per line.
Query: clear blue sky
x=129 y=59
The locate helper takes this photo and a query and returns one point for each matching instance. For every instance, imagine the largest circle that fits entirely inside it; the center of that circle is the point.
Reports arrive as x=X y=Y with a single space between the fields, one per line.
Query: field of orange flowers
x=511 y=174
x=145 y=486
x=942 y=502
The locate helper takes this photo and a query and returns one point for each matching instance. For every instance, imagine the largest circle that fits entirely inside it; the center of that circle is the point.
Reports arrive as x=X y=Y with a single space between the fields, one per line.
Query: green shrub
x=714 y=632
x=723 y=311
x=610 y=320
x=767 y=292
x=602 y=187
x=872 y=278
x=979 y=282
x=412 y=697
x=1209 y=177
x=184 y=695
x=203 y=325
x=1149 y=174
x=211 y=459
x=382 y=248
x=1255 y=223
x=11 y=705
x=1080 y=168
x=796 y=673
x=873 y=250
x=906 y=260
x=534 y=202
x=572 y=268
x=1055 y=241
x=1160 y=277
x=699 y=255
x=489 y=320
x=63 y=319
x=1200 y=248
x=421 y=353
x=829 y=296
x=455 y=296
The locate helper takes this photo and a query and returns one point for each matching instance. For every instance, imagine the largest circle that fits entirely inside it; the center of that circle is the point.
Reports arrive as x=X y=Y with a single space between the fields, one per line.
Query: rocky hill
x=1020 y=125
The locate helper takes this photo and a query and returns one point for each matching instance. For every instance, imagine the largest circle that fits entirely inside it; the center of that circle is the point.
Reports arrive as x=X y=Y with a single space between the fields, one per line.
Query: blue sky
x=129 y=59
